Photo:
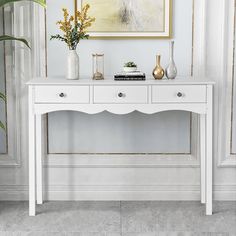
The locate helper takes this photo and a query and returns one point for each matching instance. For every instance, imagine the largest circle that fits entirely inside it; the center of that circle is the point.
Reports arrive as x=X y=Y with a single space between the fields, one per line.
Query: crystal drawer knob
x=62 y=95
x=121 y=95
x=179 y=94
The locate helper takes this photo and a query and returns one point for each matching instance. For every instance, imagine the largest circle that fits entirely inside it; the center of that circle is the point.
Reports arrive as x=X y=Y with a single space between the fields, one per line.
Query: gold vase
x=158 y=72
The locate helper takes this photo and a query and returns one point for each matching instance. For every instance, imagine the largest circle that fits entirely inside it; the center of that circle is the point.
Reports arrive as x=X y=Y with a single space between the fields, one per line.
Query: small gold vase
x=158 y=72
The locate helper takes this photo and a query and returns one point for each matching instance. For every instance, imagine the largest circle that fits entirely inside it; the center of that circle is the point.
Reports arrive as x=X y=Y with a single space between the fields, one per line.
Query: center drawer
x=120 y=94
x=62 y=94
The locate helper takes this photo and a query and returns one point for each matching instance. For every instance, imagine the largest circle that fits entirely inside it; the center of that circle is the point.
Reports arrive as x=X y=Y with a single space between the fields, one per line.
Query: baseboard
x=224 y=192
x=119 y=193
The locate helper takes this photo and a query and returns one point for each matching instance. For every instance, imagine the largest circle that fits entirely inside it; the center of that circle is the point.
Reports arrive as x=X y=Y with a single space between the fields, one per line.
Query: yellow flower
x=68 y=24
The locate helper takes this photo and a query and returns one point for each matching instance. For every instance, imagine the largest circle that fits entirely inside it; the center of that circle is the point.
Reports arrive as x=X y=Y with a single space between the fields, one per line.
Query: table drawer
x=120 y=94
x=62 y=94
x=179 y=94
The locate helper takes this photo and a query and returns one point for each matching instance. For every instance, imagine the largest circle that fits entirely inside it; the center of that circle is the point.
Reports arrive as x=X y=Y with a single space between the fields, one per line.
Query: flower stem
x=76 y=7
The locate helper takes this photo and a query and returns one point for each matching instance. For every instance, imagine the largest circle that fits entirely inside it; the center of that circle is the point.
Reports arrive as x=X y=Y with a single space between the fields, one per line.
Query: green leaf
x=8 y=37
x=57 y=36
x=41 y=2
x=2 y=126
x=2 y=96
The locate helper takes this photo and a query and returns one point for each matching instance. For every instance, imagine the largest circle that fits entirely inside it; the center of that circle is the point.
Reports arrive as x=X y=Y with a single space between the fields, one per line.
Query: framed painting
x=130 y=18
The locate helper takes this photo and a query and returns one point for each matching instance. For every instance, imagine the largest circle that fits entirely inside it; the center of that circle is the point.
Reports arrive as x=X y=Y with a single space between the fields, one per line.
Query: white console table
x=49 y=95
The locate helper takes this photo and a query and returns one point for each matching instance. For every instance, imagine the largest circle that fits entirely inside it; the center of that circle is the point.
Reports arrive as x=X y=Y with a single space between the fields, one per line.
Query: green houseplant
x=74 y=29
x=130 y=67
x=10 y=38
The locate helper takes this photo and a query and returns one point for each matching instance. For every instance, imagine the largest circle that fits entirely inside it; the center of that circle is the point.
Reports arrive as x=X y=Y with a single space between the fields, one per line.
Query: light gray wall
x=75 y=133
x=109 y=133
x=119 y=51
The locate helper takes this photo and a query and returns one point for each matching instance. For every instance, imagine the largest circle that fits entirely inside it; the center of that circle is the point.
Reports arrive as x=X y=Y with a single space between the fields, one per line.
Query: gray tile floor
x=117 y=219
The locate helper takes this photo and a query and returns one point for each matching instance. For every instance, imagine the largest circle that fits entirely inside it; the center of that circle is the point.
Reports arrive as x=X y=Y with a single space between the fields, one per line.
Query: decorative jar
x=98 y=66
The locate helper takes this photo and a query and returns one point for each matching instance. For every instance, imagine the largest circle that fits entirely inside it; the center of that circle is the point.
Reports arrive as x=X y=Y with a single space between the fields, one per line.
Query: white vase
x=171 y=70
x=72 y=65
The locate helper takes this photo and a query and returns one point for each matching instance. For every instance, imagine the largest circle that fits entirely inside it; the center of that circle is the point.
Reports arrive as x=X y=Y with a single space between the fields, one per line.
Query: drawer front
x=120 y=94
x=179 y=94
x=62 y=94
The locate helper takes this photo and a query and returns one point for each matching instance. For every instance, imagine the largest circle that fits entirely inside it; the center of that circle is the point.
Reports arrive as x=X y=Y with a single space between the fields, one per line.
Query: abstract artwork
x=130 y=18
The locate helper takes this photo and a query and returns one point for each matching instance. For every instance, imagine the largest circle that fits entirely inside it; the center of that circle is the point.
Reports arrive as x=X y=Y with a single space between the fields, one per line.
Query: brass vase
x=158 y=72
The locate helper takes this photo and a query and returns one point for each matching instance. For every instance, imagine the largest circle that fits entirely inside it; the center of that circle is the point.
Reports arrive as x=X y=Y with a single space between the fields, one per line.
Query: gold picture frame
x=122 y=22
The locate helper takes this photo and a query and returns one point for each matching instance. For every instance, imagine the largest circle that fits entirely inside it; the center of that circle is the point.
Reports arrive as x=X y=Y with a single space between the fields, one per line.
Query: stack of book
x=136 y=76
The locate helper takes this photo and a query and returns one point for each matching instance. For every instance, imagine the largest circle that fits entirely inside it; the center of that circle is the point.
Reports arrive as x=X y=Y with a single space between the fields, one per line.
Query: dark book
x=130 y=76
x=129 y=79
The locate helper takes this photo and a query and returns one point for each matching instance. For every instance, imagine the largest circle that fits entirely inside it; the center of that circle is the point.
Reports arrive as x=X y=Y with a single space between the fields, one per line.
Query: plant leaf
x=41 y=2
x=3 y=97
x=2 y=126
x=8 y=37
x=57 y=36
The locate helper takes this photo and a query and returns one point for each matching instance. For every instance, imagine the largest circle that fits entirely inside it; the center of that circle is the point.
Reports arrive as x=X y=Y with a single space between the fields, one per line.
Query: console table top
x=110 y=81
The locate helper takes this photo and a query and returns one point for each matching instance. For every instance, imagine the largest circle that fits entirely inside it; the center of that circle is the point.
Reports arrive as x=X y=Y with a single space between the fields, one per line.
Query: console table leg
x=39 y=169
x=209 y=125
x=203 y=156
x=31 y=156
